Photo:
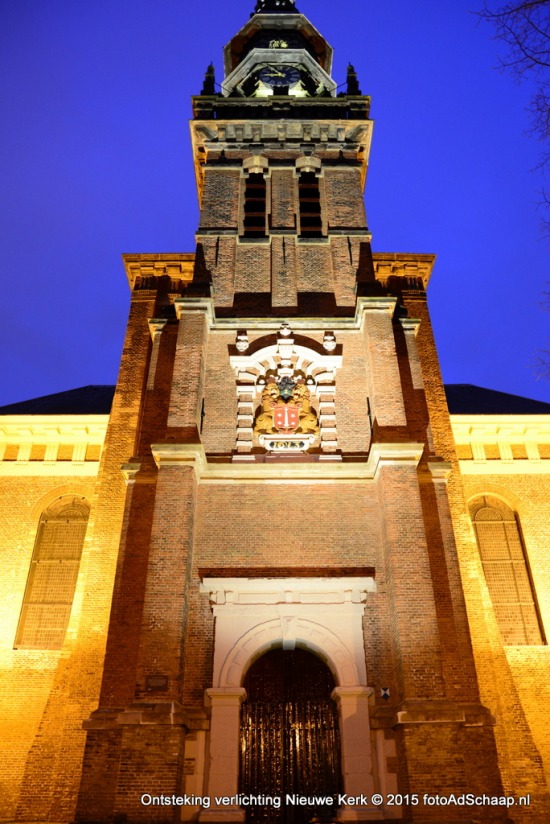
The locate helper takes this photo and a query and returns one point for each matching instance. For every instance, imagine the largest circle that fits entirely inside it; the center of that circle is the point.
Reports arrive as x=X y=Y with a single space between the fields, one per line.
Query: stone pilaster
x=156 y=326
x=223 y=778
x=357 y=762
x=188 y=377
x=383 y=380
x=166 y=593
x=409 y=583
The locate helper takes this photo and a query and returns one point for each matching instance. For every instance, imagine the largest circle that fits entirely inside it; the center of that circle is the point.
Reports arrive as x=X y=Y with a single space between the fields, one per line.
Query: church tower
x=287 y=612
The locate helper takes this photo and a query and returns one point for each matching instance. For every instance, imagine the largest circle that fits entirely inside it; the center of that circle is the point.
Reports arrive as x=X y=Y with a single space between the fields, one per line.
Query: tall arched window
x=53 y=573
x=506 y=571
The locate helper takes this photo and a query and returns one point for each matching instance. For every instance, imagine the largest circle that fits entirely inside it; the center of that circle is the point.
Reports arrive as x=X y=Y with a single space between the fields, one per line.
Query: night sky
x=96 y=161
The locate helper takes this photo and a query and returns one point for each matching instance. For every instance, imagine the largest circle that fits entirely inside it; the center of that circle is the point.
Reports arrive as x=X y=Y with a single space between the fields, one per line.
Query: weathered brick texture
x=215 y=263
x=385 y=387
x=166 y=600
x=314 y=272
x=220 y=199
x=284 y=290
x=252 y=268
x=188 y=376
x=344 y=199
x=283 y=199
x=345 y=271
x=417 y=644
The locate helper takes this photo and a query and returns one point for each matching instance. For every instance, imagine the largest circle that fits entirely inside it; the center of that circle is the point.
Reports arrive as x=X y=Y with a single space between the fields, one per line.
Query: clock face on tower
x=277 y=75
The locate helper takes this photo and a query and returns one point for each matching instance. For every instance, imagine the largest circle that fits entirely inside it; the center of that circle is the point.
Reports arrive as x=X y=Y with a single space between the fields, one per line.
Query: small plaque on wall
x=156 y=683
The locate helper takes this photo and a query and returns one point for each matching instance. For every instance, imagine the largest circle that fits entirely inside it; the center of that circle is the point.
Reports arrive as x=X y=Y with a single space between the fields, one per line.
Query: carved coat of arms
x=286 y=410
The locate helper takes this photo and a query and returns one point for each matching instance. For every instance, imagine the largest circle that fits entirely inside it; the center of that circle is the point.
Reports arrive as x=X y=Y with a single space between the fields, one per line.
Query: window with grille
x=506 y=571
x=310 y=205
x=254 y=219
x=52 y=577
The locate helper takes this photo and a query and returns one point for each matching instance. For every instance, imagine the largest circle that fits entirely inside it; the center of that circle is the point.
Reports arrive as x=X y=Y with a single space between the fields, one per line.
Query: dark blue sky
x=94 y=103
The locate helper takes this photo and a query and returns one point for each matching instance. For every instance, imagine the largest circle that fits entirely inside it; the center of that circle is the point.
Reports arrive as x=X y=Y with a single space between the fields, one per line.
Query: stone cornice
x=410 y=325
x=225 y=696
x=130 y=471
x=49 y=469
x=494 y=428
x=431 y=711
x=178 y=266
x=329 y=134
x=364 y=305
x=381 y=455
x=50 y=432
x=440 y=470
x=330 y=591
x=180 y=454
x=404 y=266
x=344 y=695
x=62 y=428
x=205 y=305
x=162 y=713
x=156 y=325
x=505 y=432
x=277 y=134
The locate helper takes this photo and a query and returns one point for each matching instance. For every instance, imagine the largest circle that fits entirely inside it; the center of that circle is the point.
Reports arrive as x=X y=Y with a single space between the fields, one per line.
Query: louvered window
x=254 y=220
x=310 y=205
x=52 y=577
x=506 y=571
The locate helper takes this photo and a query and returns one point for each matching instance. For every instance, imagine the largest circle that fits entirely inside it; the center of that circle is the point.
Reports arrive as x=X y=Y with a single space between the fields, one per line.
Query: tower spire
x=352 y=82
x=275 y=6
x=209 y=84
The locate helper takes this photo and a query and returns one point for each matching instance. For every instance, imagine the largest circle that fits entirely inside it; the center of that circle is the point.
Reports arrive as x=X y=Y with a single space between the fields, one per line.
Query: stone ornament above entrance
x=323 y=615
x=286 y=391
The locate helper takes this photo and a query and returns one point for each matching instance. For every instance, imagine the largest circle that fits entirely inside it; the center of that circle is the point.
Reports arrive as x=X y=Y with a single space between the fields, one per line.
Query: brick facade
x=144 y=695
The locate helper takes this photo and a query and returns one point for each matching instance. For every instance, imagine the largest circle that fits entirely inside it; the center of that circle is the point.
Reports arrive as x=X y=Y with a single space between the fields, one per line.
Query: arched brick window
x=53 y=573
x=506 y=571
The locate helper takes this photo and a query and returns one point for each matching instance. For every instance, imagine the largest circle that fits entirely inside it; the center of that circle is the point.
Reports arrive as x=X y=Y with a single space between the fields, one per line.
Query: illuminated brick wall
x=27 y=675
x=47 y=694
x=186 y=491
x=507 y=677
x=402 y=530
x=528 y=496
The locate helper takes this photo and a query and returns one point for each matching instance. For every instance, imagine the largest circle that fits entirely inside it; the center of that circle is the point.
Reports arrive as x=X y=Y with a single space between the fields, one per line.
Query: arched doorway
x=290 y=740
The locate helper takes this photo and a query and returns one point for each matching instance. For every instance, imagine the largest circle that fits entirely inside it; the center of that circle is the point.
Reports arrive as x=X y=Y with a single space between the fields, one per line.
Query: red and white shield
x=286 y=418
